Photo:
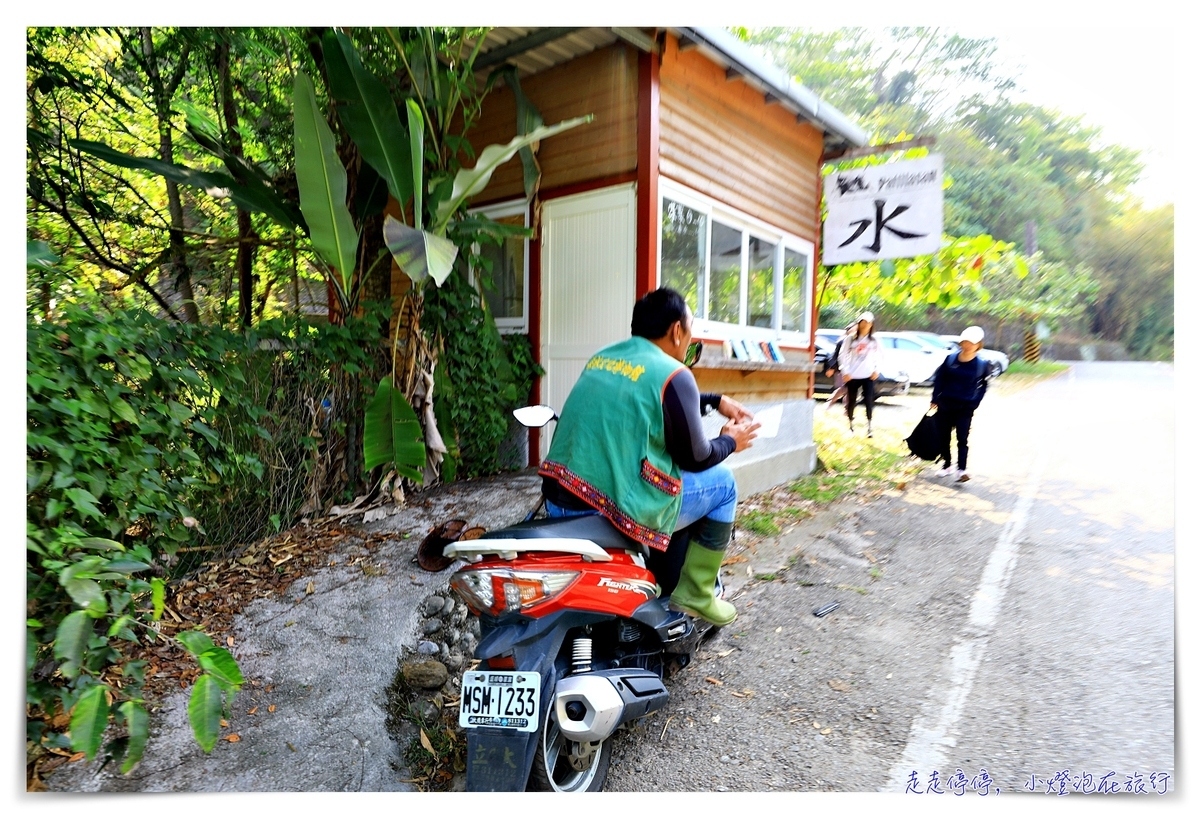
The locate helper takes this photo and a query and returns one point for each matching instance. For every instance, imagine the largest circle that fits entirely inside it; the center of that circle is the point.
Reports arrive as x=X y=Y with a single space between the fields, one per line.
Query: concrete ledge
x=774 y=461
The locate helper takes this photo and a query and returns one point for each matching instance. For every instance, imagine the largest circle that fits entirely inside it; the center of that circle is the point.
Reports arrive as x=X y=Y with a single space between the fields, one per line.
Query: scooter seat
x=592 y=527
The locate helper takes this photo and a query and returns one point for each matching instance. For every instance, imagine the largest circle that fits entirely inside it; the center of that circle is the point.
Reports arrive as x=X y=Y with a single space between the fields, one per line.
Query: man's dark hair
x=655 y=312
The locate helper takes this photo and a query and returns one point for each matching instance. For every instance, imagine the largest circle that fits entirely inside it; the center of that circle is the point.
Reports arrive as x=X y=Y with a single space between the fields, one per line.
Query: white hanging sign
x=883 y=211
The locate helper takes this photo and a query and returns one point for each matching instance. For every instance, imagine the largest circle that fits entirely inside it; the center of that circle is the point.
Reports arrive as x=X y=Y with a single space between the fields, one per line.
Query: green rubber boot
x=695 y=593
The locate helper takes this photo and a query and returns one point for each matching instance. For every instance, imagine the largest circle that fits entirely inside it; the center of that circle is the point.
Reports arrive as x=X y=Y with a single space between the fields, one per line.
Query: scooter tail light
x=503 y=590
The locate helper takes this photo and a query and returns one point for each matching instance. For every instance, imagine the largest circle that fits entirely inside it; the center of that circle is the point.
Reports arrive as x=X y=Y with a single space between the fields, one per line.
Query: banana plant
x=421 y=253
x=371 y=117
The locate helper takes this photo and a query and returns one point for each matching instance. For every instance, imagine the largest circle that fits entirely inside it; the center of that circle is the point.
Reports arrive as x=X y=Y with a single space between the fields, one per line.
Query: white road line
x=932 y=731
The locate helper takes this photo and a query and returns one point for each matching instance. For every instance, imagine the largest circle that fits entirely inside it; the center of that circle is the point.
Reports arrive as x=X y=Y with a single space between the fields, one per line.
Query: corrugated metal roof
x=533 y=50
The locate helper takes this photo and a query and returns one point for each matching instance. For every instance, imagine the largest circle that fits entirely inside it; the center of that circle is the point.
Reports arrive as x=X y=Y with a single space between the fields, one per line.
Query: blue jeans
x=710 y=493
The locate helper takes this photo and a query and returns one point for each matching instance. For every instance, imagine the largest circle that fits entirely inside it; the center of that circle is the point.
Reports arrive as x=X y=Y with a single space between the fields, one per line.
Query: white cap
x=972 y=334
x=869 y=317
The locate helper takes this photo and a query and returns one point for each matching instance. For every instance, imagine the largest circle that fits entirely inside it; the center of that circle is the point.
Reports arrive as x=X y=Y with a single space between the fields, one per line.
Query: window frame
x=749 y=226
x=500 y=210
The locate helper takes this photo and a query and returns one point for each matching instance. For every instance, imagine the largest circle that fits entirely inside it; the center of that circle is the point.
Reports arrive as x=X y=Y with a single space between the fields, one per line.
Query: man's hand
x=932 y=407
x=874 y=376
x=733 y=410
x=742 y=432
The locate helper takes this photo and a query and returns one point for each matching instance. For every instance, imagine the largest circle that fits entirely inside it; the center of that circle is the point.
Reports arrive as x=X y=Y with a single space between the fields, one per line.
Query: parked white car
x=918 y=358
x=997 y=360
x=894 y=366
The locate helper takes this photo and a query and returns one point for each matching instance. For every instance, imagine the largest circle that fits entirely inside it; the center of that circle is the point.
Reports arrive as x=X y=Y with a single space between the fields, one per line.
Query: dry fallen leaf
x=779 y=629
x=251 y=711
x=817 y=725
x=827 y=731
x=725 y=653
x=233 y=738
x=839 y=685
x=229 y=641
x=713 y=681
x=427 y=745
x=224 y=723
x=270 y=708
x=311 y=587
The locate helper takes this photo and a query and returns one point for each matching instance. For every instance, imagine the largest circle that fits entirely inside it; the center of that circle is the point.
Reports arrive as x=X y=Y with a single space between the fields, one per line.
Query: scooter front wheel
x=562 y=765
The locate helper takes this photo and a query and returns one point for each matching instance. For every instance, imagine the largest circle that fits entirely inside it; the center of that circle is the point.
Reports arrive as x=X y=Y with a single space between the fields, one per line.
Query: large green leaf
x=70 y=641
x=158 y=597
x=369 y=113
x=220 y=664
x=39 y=255
x=416 y=151
x=137 y=723
x=204 y=712
x=87 y=594
x=322 y=183
x=529 y=119
x=88 y=721
x=391 y=433
x=472 y=181
x=419 y=253
x=259 y=199
x=195 y=642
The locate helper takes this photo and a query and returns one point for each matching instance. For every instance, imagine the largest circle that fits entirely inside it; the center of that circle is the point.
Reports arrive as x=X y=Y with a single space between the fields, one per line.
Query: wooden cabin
x=702 y=171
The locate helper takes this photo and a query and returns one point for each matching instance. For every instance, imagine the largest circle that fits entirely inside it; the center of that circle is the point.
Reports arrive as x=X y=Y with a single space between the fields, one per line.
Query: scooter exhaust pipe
x=591 y=706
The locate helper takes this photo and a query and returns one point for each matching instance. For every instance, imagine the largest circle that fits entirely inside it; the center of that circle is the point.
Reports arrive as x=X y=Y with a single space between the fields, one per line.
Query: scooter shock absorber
x=581 y=655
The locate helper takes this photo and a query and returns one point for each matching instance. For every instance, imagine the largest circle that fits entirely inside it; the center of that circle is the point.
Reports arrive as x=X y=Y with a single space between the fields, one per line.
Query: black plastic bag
x=925 y=441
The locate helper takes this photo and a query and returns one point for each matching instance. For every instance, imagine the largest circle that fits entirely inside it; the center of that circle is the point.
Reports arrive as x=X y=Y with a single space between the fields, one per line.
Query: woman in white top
x=859 y=363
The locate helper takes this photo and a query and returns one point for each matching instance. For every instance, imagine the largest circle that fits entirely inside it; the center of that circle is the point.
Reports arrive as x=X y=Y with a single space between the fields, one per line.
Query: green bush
x=142 y=435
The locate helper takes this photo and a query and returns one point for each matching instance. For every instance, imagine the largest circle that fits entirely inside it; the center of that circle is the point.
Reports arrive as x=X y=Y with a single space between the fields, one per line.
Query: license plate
x=509 y=699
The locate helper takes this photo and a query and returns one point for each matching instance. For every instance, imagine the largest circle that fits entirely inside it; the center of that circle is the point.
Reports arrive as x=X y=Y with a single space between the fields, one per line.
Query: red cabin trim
x=646 y=264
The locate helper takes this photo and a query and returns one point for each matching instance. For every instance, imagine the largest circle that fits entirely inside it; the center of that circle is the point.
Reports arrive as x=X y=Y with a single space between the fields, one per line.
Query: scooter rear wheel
x=557 y=758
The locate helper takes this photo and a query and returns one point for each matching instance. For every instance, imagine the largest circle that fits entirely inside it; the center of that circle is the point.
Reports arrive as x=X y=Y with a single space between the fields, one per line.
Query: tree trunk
x=247 y=238
x=162 y=92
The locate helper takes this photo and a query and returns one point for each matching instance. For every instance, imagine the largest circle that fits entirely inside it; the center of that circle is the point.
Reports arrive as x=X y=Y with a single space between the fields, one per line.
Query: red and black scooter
x=576 y=641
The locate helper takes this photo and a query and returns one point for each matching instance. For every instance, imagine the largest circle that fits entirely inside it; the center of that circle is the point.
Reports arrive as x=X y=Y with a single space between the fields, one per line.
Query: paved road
x=1021 y=623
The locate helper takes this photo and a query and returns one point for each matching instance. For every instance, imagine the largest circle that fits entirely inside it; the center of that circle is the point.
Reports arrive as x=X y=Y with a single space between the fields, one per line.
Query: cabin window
x=684 y=252
x=502 y=270
x=742 y=277
x=725 y=292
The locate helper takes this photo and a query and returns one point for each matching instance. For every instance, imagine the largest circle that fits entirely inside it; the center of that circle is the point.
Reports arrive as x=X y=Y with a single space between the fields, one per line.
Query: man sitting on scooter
x=629 y=445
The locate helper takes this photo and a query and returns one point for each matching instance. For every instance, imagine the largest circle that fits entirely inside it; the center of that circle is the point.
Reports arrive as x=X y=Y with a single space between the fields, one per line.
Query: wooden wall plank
x=604 y=84
x=720 y=137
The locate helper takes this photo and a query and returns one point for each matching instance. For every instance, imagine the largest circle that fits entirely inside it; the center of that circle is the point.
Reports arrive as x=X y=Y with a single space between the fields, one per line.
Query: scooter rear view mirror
x=534 y=417
x=692 y=355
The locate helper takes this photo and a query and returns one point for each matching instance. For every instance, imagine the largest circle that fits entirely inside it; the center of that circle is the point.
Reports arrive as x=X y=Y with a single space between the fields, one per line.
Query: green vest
x=609 y=448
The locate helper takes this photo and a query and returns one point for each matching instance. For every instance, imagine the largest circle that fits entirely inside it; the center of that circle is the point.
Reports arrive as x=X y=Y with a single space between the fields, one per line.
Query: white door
x=588 y=283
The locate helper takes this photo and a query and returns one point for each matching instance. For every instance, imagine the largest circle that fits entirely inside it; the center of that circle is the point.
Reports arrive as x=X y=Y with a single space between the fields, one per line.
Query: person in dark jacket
x=958 y=387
